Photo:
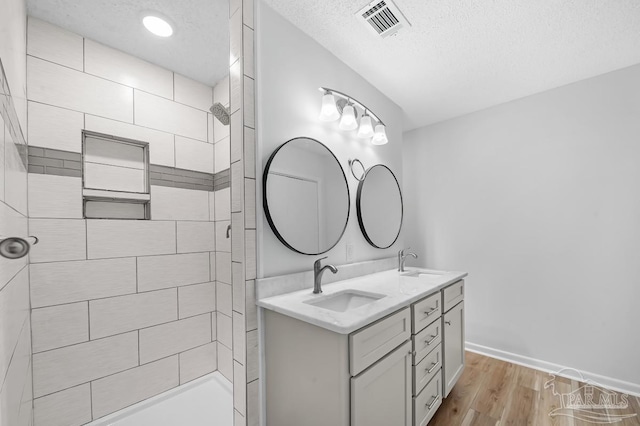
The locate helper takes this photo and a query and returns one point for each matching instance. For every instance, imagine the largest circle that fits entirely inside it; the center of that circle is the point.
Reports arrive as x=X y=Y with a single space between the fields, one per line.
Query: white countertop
x=399 y=291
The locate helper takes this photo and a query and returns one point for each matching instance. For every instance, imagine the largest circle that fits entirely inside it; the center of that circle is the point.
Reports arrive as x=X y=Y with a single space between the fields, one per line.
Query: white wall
x=291 y=68
x=539 y=200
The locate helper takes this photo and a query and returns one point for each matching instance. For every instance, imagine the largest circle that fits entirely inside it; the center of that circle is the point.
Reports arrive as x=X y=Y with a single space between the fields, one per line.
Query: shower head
x=221 y=113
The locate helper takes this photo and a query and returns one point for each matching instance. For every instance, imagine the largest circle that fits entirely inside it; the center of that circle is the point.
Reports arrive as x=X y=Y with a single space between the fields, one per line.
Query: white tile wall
x=223 y=204
x=249 y=203
x=249 y=158
x=237 y=271
x=225 y=361
x=118 y=66
x=70 y=407
x=53 y=127
x=222 y=242
x=214 y=326
x=47 y=41
x=250 y=247
x=161 y=145
x=113 y=178
x=237 y=243
x=210 y=137
x=15 y=177
x=239 y=338
x=14 y=311
x=59 y=239
x=247 y=41
x=235 y=80
x=119 y=238
x=236 y=137
x=237 y=183
x=17 y=380
x=223 y=267
x=222 y=155
x=196 y=299
x=253 y=403
x=223 y=298
x=212 y=205
x=225 y=330
x=198 y=362
x=117 y=315
x=196 y=236
x=157 y=272
x=58 y=326
x=61 y=86
x=235 y=38
x=114 y=153
x=252 y=363
x=240 y=388
x=212 y=266
x=73 y=365
x=194 y=155
x=193 y=93
x=162 y=114
x=52 y=196
x=123 y=389
x=174 y=337
x=66 y=282
x=251 y=312
x=179 y=204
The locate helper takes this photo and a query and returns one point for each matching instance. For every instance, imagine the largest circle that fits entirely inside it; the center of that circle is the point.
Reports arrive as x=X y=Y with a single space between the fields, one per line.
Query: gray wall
x=538 y=199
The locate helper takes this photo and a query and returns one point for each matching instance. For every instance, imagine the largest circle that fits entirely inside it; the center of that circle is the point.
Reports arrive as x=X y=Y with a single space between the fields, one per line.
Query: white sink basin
x=418 y=274
x=345 y=300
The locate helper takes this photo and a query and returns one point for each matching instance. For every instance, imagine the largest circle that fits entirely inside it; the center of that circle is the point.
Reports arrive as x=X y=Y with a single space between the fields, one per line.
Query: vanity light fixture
x=329 y=111
x=157 y=25
x=365 y=130
x=348 y=120
x=347 y=110
x=380 y=136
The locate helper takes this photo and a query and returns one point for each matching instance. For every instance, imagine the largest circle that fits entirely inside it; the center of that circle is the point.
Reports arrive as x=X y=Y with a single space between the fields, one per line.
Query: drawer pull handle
x=448 y=322
x=427 y=313
x=432 y=367
x=433 y=338
x=431 y=403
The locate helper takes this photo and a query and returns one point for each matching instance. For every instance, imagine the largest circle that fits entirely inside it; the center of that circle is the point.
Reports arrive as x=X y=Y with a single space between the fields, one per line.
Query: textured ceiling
x=199 y=47
x=461 y=56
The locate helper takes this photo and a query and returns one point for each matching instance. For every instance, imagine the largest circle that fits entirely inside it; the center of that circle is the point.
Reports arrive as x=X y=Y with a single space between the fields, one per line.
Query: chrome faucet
x=402 y=257
x=318 y=270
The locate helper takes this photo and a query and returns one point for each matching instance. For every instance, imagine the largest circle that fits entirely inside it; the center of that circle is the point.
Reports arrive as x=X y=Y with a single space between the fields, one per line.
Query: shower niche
x=115 y=177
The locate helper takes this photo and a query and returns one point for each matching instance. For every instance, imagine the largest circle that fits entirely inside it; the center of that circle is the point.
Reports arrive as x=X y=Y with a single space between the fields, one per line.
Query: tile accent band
x=64 y=163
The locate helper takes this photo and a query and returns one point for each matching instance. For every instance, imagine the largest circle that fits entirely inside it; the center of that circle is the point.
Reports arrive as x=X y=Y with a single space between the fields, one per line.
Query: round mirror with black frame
x=306 y=196
x=379 y=207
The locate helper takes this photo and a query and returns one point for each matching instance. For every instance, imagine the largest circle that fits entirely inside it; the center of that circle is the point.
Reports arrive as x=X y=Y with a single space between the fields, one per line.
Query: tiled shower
x=155 y=311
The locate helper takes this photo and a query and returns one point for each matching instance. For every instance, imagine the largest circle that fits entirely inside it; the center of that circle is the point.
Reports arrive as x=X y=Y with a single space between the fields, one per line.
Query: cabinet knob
x=448 y=322
x=429 y=342
x=432 y=367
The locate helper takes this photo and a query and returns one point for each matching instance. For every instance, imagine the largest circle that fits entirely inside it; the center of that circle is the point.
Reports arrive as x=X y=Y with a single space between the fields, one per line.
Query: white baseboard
x=549 y=367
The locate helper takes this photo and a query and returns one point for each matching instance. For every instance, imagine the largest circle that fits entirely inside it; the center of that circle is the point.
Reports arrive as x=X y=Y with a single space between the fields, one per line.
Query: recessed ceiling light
x=157 y=26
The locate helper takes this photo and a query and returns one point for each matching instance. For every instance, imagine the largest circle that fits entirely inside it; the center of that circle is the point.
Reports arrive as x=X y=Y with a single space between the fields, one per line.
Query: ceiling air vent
x=383 y=17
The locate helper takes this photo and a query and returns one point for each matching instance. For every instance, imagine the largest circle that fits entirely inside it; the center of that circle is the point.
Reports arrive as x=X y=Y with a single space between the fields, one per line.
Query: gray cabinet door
x=381 y=395
x=453 y=346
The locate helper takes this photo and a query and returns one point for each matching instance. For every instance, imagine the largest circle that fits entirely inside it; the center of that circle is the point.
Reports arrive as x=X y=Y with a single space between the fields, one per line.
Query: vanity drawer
x=426 y=311
x=427 y=369
x=426 y=341
x=427 y=401
x=375 y=341
x=452 y=295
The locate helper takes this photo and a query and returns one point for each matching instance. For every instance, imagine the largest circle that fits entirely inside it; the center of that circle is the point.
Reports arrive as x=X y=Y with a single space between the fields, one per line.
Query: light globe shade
x=366 y=128
x=348 y=121
x=157 y=26
x=380 y=136
x=329 y=111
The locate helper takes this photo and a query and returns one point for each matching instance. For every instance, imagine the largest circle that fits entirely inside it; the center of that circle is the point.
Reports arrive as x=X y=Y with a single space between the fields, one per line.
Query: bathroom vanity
x=380 y=349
